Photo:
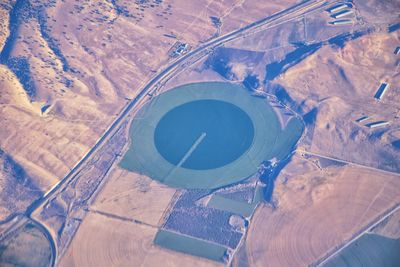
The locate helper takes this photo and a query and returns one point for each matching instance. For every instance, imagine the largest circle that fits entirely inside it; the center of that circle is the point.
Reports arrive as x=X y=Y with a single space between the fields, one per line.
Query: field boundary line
x=367 y=229
x=302 y=151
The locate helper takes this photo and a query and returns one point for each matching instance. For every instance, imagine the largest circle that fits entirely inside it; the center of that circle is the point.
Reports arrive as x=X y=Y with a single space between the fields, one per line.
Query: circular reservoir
x=206 y=135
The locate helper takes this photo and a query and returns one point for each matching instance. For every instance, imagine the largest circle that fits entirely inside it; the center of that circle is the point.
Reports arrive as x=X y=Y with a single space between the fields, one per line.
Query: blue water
x=228 y=130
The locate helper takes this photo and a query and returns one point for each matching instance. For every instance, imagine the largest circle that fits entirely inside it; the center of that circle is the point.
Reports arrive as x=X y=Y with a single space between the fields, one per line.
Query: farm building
x=363 y=118
x=377 y=124
x=381 y=91
x=342 y=14
x=339 y=7
x=342 y=22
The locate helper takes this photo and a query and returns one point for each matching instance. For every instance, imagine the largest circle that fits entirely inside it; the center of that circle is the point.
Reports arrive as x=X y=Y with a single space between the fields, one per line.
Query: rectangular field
x=190 y=245
x=369 y=250
x=231 y=205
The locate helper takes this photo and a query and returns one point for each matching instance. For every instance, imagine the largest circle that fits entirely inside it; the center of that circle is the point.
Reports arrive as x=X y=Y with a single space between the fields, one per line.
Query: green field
x=370 y=250
x=185 y=244
x=288 y=138
x=230 y=205
x=259 y=194
x=238 y=207
x=205 y=145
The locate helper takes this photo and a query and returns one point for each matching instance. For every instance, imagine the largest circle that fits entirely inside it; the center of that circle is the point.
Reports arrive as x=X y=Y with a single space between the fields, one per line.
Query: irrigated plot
x=317 y=210
x=379 y=246
x=370 y=250
x=207 y=135
x=104 y=241
x=190 y=245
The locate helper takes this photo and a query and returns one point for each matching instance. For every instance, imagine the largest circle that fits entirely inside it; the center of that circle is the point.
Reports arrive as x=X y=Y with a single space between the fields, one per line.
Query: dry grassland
x=340 y=85
x=101 y=241
x=317 y=209
x=4 y=18
x=134 y=196
x=84 y=60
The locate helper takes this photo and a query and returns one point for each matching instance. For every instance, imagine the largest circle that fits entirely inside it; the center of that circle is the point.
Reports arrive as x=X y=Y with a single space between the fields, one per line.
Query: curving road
x=152 y=85
x=185 y=60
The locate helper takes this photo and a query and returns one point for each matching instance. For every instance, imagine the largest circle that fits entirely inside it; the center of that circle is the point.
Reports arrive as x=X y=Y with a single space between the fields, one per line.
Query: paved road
x=204 y=49
x=386 y=214
x=374 y=223
x=349 y=242
x=307 y=5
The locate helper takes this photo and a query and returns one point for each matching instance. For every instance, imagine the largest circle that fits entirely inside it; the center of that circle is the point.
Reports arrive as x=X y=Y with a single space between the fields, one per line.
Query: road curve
x=164 y=73
x=294 y=11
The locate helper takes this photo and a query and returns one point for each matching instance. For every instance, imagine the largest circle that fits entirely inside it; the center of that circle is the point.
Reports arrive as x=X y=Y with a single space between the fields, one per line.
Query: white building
x=342 y=22
x=377 y=124
x=339 y=8
x=342 y=14
x=381 y=91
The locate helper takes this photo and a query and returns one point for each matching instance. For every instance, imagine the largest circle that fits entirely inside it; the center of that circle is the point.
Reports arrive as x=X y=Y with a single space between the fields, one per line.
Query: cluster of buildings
x=380 y=92
x=374 y=124
x=178 y=49
x=382 y=89
x=342 y=14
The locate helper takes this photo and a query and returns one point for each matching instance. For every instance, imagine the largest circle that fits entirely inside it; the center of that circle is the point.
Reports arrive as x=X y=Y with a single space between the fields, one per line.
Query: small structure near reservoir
x=381 y=91
x=377 y=124
x=342 y=14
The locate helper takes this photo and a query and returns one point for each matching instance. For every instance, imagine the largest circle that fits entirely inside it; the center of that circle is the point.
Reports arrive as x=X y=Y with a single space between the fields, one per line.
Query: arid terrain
x=73 y=75
x=68 y=69
x=318 y=208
